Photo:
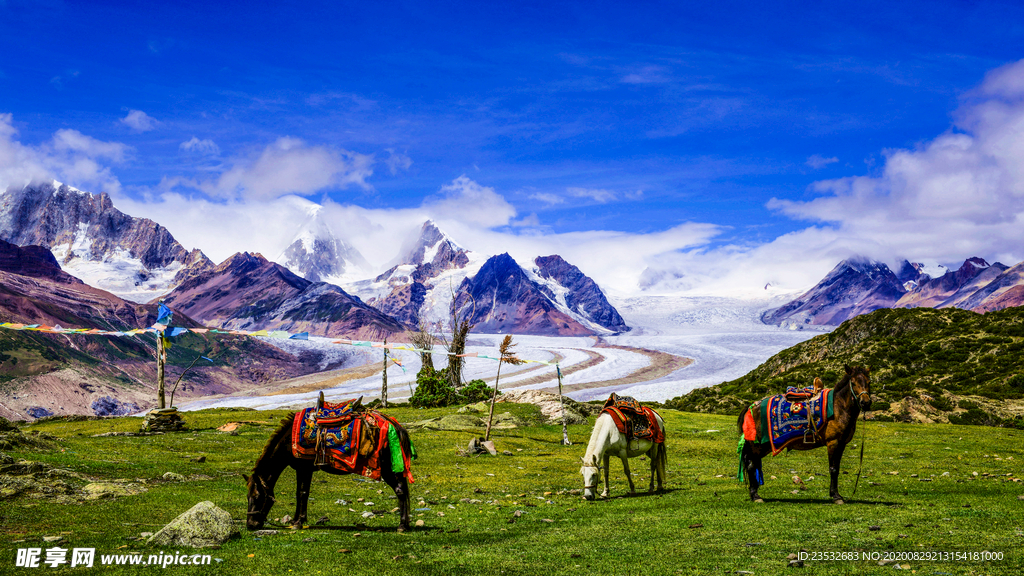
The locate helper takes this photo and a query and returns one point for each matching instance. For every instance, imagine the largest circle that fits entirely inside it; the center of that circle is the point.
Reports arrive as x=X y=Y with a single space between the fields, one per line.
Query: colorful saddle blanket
x=783 y=422
x=633 y=419
x=353 y=442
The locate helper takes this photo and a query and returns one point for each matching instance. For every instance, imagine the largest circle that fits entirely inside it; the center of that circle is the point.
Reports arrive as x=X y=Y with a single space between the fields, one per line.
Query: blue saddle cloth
x=791 y=421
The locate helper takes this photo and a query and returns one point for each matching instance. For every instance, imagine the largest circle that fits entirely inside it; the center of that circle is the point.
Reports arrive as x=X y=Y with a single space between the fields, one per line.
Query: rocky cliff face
x=134 y=257
x=854 y=287
x=566 y=285
x=248 y=292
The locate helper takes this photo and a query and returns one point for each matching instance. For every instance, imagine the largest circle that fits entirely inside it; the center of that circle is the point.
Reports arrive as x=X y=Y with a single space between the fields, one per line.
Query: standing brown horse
x=277 y=455
x=852 y=395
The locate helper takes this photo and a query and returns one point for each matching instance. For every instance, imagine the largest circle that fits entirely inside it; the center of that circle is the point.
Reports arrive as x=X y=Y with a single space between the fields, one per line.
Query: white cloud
x=290 y=166
x=397 y=161
x=465 y=200
x=199 y=147
x=957 y=196
x=818 y=161
x=139 y=121
x=69 y=156
x=598 y=195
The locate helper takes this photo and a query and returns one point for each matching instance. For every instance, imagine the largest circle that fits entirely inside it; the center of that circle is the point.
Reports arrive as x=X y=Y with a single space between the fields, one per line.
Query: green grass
x=704 y=524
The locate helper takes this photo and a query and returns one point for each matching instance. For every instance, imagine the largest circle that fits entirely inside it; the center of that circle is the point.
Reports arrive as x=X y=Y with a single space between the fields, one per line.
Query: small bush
x=475 y=391
x=879 y=406
x=974 y=416
x=433 y=391
x=968 y=405
x=941 y=403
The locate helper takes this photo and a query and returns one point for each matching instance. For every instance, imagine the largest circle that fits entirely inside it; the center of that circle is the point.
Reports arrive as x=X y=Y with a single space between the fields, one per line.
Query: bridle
x=597 y=477
x=268 y=503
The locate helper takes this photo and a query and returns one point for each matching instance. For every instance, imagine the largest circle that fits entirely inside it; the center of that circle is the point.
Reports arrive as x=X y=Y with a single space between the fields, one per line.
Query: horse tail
x=739 y=421
x=663 y=454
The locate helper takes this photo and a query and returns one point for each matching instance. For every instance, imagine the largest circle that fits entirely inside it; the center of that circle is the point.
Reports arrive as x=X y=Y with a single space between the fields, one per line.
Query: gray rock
x=203 y=525
x=173 y=477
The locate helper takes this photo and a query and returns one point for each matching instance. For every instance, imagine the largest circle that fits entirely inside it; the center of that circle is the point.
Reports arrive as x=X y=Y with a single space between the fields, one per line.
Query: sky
x=682 y=147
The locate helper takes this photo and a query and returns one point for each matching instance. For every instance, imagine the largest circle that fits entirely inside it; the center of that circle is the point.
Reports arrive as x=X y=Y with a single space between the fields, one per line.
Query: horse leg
x=607 y=459
x=652 y=454
x=662 y=464
x=400 y=485
x=835 y=456
x=303 y=479
x=629 y=476
x=752 y=467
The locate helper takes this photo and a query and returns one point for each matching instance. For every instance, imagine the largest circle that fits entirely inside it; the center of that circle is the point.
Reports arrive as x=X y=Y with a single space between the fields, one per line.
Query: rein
x=860 y=467
x=597 y=476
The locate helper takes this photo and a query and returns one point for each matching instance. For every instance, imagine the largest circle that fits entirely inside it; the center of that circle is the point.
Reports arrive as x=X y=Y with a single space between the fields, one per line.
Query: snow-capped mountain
x=134 y=258
x=318 y=255
x=549 y=297
x=421 y=287
x=575 y=294
x=953 y=287
x=856 y=286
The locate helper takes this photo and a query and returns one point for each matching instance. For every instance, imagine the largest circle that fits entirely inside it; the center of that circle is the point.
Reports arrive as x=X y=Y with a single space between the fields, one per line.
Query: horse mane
x=285 y=428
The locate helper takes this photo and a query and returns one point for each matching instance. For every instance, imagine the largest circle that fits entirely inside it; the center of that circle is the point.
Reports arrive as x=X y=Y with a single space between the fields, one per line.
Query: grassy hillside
x=937 y=488
x=932 y=358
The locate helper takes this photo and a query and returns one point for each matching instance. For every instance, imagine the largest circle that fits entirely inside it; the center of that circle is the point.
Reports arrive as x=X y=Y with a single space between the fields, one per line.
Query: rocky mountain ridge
x=858 y=286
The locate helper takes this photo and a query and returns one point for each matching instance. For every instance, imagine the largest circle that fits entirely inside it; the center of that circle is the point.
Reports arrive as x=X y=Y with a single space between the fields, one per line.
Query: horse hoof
x=401 y=529
x=758 y=501
x=838 y=501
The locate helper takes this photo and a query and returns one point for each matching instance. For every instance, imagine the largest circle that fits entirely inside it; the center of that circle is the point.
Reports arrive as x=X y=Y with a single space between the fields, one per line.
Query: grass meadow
x=925 y=489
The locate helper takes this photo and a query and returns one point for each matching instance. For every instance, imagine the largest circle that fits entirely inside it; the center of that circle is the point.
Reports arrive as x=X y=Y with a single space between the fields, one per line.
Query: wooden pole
x=161 y=358
x=565 y=428
x=384 y=383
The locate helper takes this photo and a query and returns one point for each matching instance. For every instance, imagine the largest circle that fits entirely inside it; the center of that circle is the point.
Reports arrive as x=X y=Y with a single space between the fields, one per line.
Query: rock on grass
x=201 y=526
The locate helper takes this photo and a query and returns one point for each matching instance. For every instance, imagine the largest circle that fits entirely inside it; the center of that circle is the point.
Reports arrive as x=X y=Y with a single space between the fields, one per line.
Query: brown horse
x=277 y=455
x=852 y=395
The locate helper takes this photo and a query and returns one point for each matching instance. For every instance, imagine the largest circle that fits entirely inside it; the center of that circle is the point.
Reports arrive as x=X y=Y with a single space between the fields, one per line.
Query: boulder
x=201 y=526
x=101 y=490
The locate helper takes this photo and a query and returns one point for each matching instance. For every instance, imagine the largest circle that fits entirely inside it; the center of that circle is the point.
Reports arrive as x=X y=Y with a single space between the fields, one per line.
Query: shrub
x=941 y=403
x=475 y=391
x=433 y=391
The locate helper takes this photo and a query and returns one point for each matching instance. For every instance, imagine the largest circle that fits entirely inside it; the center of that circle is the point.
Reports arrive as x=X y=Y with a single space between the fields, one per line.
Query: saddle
x=351 y=439
x=633 y=419
x=794 y=394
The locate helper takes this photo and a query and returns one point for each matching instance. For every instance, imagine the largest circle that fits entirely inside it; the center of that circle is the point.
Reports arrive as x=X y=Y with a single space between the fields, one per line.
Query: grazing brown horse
x=277 y=455
x=852 y=395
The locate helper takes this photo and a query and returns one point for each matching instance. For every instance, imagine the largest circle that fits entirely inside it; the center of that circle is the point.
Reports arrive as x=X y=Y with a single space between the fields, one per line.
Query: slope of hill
x=248 y=292
x=922 y=360
x=42 y=374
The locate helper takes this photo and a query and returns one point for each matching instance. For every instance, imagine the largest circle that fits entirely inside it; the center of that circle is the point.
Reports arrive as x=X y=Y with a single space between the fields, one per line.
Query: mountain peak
x=432 y=244
x=316 y=254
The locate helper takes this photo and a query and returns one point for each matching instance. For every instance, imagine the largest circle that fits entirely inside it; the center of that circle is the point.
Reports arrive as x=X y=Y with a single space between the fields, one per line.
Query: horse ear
x=848 y=369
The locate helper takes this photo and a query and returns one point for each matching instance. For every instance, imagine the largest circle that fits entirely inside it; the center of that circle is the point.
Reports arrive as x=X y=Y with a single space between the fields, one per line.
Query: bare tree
x=508 y=356
x=460 y=327
x=424 y=340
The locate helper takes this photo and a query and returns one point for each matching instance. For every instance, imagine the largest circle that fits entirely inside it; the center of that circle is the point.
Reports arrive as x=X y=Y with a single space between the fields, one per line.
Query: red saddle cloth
x=348 y=440
x=633 y=419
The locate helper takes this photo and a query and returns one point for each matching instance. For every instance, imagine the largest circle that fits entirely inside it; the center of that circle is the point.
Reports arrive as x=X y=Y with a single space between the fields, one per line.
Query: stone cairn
x=163 y=420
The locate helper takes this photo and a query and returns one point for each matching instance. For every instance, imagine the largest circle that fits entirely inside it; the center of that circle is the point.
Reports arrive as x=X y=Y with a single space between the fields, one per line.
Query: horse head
x=591 y=475
x=261 y=499
x=860 y=385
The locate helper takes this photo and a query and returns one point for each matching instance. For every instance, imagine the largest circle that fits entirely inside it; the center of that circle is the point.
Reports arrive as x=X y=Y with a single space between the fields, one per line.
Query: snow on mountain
x=318 y=255
x=134 y=258
x=855 y=286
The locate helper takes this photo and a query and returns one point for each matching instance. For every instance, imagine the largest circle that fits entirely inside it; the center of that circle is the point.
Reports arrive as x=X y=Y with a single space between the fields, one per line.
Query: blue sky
x=728 y=127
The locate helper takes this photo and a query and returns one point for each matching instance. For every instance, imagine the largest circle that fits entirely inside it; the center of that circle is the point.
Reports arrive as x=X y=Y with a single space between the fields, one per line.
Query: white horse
x=606 y=441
